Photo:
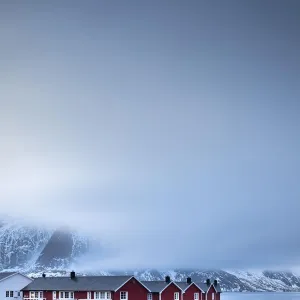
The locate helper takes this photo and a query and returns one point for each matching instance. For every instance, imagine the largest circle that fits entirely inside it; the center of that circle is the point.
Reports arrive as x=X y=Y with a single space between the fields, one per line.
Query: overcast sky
x=169 y=130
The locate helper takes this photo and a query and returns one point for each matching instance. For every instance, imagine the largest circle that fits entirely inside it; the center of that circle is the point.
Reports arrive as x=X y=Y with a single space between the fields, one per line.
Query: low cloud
x=172 y=156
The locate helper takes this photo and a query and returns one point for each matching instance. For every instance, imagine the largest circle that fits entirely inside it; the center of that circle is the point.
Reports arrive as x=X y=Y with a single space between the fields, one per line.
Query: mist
x=169 y=134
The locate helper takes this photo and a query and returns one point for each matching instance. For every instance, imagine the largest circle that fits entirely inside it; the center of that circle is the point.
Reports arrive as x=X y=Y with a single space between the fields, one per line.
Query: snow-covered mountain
x=34 y=250
x=29 y=248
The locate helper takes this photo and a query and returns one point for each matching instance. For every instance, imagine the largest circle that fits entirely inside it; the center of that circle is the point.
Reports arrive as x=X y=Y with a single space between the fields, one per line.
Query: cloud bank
x=175 y=142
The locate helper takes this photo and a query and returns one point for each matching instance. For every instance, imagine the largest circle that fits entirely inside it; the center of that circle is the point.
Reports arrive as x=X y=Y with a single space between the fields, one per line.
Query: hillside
x=34 y=250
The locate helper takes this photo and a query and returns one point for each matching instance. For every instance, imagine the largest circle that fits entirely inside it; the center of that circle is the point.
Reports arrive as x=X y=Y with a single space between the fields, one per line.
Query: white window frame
x=123 y=293
x=7 y=294
x=213 y=296
x=176 y=296
x=196 y=296
x=89 y=295
x=63 y=294
x=102 y=295
x=36 y=294
x=149 y=296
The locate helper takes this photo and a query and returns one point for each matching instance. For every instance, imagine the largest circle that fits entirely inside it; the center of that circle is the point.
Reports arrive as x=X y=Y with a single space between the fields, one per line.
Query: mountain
x=33 y=251
x=30 y=248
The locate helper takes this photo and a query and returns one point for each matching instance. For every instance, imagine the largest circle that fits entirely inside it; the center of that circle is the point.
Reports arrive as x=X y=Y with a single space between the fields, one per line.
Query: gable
x=15 y=282
x=132 y=283
x=194 y=289
x=171 y=288
x=212 y=289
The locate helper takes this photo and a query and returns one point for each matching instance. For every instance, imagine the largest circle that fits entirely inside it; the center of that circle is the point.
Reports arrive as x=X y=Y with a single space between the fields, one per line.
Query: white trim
x=132 y=277
x=8 y=276
x=126 y=292
x=16 y=274
x=169 y=284
x=124 y=283
x=213 y=287
x=195 y=285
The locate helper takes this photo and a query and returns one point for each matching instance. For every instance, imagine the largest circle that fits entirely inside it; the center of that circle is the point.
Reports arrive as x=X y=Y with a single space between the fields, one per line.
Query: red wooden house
x=117 y=288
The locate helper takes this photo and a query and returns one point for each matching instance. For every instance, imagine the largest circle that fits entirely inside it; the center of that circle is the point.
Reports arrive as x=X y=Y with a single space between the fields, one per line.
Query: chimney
x=168 y=279
x=208 y=282
x=215 y=282
x=189 y=280
x=72 y=275
x=44 y=275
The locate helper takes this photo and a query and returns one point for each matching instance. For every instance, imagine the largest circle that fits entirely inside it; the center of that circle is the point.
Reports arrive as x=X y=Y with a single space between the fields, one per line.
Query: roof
x=4 y=275
x=218 y=288
x=158 y=286
x=183 y=285
x=79 y=283
x=155 y=286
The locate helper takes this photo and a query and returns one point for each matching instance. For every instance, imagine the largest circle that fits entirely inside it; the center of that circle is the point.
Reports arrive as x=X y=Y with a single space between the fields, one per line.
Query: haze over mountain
x=164 y=134
x=33 y=251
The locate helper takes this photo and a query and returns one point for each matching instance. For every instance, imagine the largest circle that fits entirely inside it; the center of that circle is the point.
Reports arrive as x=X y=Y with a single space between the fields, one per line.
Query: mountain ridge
x=33 y=250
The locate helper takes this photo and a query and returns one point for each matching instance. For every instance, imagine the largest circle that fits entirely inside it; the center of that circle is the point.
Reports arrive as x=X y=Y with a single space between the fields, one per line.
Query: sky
x=167 y=130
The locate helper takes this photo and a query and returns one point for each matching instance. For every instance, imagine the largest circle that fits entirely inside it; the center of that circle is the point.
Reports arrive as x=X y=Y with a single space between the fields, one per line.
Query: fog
x=168 y=133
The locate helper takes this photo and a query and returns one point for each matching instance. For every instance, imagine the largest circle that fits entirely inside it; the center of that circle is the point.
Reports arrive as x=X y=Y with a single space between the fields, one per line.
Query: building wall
x=83 y=295
x=210 y=292
x=155 y=296
x=14 y=283
x=136 y=291
x=168 y=293
x=189 y=293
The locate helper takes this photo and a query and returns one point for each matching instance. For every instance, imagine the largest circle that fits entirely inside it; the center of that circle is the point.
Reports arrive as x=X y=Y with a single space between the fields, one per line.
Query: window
x=11 y=294
x=103 y=295
x=176 y=296
x=149 y=297
x=89 y=295
x=196 y=296
x=124 y=295
x=54 y=295
x=7 y=294
x=66 y=295
x=213 y=296
x=36 y=295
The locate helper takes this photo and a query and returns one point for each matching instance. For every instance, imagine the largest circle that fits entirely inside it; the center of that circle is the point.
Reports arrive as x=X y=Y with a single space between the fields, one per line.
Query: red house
x=163 y=290
x=86 y=287
x=117 y=288
x=200 y=291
